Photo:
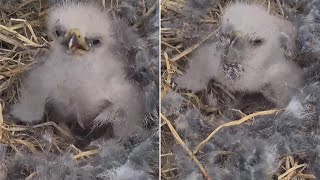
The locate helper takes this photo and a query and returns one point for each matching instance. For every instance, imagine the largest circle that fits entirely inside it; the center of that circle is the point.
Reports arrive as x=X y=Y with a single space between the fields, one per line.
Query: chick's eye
x=58 y=33
x=96 y=42
x=93 y=42
x=256 y=42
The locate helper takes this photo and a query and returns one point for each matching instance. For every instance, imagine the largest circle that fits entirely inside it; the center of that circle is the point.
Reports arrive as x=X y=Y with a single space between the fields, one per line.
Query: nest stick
x=233 y=123
x=86 y=153
x=19 y=36
x=31 y=176
x=192 y=48
x=306 y=176
x=147 y=14
x=291 y=170
x=24 y=128
x=185 y=147
x=169 y=76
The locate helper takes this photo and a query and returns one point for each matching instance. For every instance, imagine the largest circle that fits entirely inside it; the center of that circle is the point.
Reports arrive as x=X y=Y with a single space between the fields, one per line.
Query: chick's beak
x=75 y=42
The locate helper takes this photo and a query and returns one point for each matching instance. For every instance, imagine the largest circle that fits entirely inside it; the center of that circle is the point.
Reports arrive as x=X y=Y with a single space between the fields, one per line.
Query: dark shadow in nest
x=84 y=134
x=245 y=102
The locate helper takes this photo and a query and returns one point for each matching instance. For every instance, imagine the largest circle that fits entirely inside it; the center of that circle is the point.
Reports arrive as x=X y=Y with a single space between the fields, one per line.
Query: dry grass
x=176 y=48
x=22 y=38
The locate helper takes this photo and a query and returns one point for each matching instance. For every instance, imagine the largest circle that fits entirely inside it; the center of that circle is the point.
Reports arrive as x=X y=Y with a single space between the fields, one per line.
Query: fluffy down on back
x=81 y=81
x=251 y=54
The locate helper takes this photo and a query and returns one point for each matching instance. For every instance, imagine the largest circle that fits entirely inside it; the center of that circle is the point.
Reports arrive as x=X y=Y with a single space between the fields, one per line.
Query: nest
x=23 y=38
x=186 y=25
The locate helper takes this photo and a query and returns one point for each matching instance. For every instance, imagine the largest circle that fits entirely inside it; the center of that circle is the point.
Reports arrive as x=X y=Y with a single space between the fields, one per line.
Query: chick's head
x=247 y=33
x=79 y=28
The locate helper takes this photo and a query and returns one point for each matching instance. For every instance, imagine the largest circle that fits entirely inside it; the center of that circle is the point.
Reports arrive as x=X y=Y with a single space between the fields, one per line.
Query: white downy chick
x=248 y=56
x=81 y=80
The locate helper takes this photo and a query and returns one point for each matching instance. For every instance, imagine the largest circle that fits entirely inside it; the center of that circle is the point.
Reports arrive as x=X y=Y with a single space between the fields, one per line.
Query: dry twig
x=185 y=147
x=233 y=123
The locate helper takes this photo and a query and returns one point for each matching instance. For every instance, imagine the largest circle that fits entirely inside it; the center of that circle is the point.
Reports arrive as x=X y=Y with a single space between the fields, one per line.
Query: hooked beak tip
x=75 y=43
x=71 y=42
